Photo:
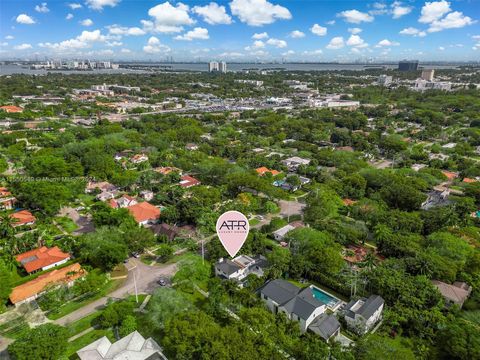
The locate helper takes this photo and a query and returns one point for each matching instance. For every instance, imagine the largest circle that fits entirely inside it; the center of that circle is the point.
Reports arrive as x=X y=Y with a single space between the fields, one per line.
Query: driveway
x=289 y=208
x=146 y=279
x=84 y=223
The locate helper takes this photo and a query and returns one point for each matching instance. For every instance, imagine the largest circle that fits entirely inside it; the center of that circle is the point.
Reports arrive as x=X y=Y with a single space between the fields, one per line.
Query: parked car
x=161 y=282
x=136 y=255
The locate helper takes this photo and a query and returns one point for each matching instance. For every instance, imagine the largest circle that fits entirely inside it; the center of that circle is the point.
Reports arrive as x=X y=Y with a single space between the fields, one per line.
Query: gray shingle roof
x=227 y=266
x=303 y=304
x=279 y=290
x=370 y=305
x=325 y=326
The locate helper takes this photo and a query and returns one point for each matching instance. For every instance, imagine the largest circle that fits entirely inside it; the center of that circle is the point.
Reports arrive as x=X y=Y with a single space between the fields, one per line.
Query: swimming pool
x=331 y=301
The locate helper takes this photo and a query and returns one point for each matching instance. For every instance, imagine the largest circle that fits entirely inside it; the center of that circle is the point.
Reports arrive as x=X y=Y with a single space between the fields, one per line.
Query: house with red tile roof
x=263 y=170
x=144 y=213
x=42 y=258
x=11 y=109
x=449 y=174
x=7 y=200
x=167 y=170
x=22 y=218
x=31 y=290
x=469 y=181
x=187 y=181
x=139 y=158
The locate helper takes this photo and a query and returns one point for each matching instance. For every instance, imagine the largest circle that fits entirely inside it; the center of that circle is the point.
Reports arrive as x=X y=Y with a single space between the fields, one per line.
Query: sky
x=241 y=30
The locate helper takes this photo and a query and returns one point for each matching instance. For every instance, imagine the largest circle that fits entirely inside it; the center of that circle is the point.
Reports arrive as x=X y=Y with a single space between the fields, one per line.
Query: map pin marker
x=232 y=229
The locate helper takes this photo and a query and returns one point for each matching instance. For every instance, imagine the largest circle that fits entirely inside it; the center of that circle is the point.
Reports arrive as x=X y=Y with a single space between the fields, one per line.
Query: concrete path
x=146 y=280
x=80 y=334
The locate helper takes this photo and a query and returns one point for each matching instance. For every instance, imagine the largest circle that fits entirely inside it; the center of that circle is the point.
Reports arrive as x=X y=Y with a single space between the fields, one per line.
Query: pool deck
x=339 y=303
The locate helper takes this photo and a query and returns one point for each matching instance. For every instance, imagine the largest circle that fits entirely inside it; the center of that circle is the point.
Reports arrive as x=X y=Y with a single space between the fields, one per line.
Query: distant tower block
x=427 y=74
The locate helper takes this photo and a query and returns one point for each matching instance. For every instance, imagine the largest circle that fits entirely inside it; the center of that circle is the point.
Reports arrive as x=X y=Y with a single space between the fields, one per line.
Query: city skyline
x=229 y=30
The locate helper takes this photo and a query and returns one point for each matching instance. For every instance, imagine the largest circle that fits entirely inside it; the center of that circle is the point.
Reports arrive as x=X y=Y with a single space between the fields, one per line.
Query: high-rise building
x=213 y=66
x=427 y=74
x=223 y=67
x=408 y=65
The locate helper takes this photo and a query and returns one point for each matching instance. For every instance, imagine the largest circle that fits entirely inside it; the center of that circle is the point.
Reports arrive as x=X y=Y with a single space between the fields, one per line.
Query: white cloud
x=297 y=34
x=356 y=41
x=125 y=51
x=42 y=8
x=82 y=41
x=257 y=44
x=114 y=43
x=86 y=22
x=386 y=42
x=100 y=4
x=120 y=30
x=231 y=55
x=331 y=22
x=354 y=30
x=154 y=46
x=258 y=12
x=336 y=43
x=4 y=43
x=69 y=16
x=213 y=14
x=25 y=19
x=312 y=52
x=105 y=52
x=398 y=10
x=75 y=6
x=453 y=20
x=355 y=16
x=22 y=47
x=259 y=36
x=474 y=37
x=277 y=43
x=10 y=37
x=168 y=18
x=434 y=10
x=413 y=32
x=318 y=30
x=288 y=53
x=198 y=33
x=441 y=48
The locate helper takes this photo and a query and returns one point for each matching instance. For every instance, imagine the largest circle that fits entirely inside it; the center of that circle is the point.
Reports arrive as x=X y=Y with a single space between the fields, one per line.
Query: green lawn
x=14 y=329
x=66 y=224
x=254 y=222
x=75 y=305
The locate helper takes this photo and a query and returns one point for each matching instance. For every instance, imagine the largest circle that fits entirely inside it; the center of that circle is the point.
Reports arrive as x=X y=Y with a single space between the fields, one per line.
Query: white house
x=298 y=304
x=240 y=267
x=294 y=162
x=362 y=314
x=280 y=234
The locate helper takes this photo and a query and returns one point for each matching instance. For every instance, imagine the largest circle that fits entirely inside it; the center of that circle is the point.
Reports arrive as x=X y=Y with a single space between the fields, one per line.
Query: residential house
x=144 y=213
x=139 y=158
x=7 y=200
x=435 y=198
x=362 y=314
x=294 y=162
x=122 y=155
x=42 y=258
x=11 y=109
x=147 y=195
x=456 y=293
x=187 y=181
x=122 y=202
x=133 y=346
x=32 y=289
x=167 y=170
x=173 y=231
x=102 y=186
x=240 y=267
x=326 y=326
x=280 y=234
x=191 y=147
x=264 y=170
x=298 y=304
x=22 y=218
x=285 y=185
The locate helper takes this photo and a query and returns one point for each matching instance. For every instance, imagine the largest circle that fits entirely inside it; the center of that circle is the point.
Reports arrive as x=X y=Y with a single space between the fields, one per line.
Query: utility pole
x=135 y=285
x=203 y=251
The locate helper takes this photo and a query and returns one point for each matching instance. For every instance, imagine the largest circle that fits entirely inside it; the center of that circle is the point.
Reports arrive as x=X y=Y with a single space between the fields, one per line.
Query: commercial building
x=427 y=74
x=408 y=65
x=215 y=66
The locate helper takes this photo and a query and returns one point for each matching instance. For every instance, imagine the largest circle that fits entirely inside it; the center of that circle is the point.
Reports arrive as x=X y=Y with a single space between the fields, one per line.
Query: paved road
x=146 y=278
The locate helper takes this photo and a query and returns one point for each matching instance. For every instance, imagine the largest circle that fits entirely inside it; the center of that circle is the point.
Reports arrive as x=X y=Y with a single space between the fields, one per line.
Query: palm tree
x=369 y=261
